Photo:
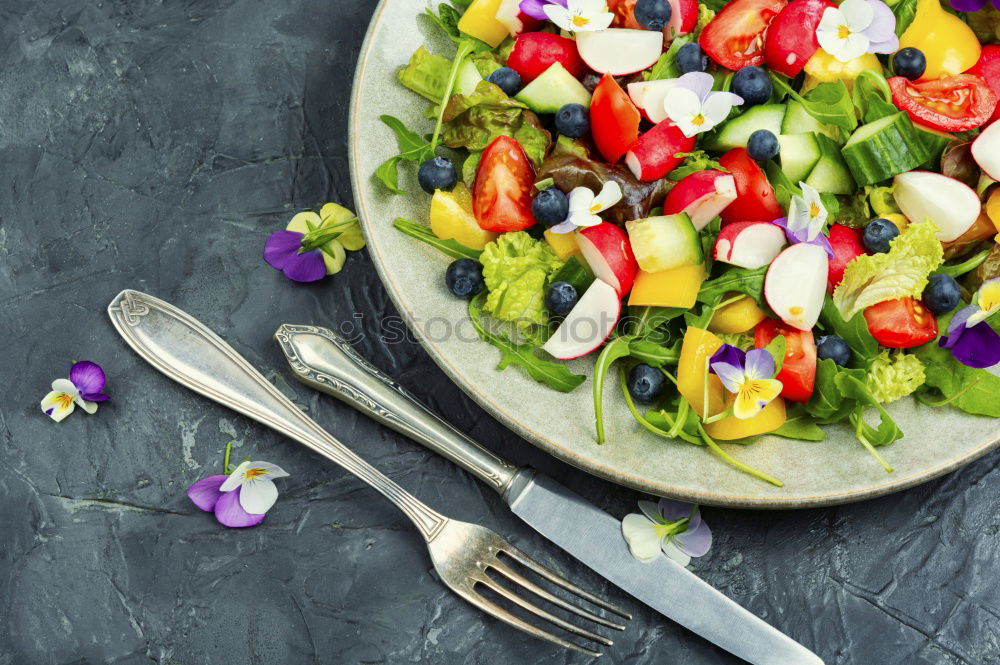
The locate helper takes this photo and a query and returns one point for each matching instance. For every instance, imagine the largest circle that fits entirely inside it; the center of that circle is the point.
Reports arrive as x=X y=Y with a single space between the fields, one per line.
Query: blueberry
x=877 y=235
x=573 y=120
x=753 y=85
x=560 y=297
x=652 y=14
x=437 y=173
x=507 y=80
x=834 y=348
x=763 y=145
x=550 y=207
x=690 y=58
x=646 y=383
x=909 y=62
x=942 y=294
x=464 y=278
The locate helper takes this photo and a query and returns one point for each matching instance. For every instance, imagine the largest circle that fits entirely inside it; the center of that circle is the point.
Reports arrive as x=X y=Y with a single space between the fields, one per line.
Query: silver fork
x=466 y=556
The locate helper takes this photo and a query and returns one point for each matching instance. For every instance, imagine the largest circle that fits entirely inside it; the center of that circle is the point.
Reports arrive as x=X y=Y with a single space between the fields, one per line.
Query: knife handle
x=327 y=362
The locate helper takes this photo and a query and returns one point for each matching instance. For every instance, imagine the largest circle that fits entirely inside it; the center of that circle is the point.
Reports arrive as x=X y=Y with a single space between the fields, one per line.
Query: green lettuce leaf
x=516 y=268
x=898 y=273
x=426 y=74
x=894 y=375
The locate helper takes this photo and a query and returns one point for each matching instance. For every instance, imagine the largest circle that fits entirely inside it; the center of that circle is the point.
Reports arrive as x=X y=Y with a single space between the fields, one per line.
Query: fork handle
x=325 y=361
x=188 y=352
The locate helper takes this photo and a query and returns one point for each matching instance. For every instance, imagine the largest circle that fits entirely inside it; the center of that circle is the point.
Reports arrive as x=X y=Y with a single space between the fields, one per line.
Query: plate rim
x=550 y=447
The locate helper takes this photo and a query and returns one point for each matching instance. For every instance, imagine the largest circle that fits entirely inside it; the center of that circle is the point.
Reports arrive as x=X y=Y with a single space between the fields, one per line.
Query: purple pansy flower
x=749 y=375
x=806 y=219
x=308 y=249
x=970 y=338
x=283 y=251
x=672 y=527
x=241 y=498
x=972 y=5
x=536 y=8
x=83 y=388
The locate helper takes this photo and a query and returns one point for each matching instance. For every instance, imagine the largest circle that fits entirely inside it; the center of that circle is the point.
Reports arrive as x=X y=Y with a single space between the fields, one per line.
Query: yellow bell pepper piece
x=949 y=45
x=737 y=317
x=451 y=217
x=677 y=287
x=563 y=244
x=769 y=419
x=823 y=68
x=993 y=208
x=898 y=219
x=699 y=345
x=480 y=21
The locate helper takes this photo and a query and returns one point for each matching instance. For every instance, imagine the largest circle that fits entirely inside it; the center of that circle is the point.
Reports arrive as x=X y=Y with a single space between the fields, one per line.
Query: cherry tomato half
x=501 y=194
x=798 y=372
x=735 y=37
x=901 y=324
x=755 y=200
x=952 y=104
x=988 y=69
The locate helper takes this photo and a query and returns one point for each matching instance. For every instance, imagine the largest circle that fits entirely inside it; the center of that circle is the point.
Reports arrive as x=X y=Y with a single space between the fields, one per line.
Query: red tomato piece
x=901 y=324
x=501 y=194
x=755 y=200
x=735 y=37
x=988 y=69
x=846 y=243
x=534 y=52
x=791 y=37
x=951 y=104
x=614 y=119
x=798 y=372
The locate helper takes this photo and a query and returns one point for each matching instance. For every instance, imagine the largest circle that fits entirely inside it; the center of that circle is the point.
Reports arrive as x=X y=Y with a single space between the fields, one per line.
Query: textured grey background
x=153 y=145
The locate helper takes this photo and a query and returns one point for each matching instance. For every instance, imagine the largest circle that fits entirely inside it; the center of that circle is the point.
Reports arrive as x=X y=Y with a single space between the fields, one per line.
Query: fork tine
x=555 y=578
x=513 y=576
x=539 y=612
x=517 y=622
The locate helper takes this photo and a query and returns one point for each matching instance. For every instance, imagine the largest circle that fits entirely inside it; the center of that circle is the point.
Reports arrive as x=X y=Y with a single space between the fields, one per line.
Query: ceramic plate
x=837 y=470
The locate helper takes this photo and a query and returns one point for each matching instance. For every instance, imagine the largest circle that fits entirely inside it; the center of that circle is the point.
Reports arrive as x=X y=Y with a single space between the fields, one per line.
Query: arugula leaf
x=653 y=354
x=612 y=351
x=452 y=248
x=800 y=425
x=828 y=102
x=412 y=148
x=742 y=280
x=854 y=332
x=887 y=431
x=872 y=97
x=645 y=320
x=388 y=174
x=552 y=374
x=576 y=272
x=666 y=66
x=447 y=18
x=971 y=390
x=694 y=162
x=784 y=189
x=776 y=347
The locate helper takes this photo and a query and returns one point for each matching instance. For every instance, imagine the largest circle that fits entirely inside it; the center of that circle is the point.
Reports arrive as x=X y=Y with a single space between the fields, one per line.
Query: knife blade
x=323 y=360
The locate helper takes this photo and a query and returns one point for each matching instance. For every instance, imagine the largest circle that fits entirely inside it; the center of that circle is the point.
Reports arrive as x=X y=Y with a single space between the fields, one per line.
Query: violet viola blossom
x=857 y=27
x=241 y=498
x=308 y=249
x=749 y=375
x=672 y=527
x=694 y=107
x=806 y=219
x=972 y=340
x=972 y=5
x=536 y=8
x=83 y=388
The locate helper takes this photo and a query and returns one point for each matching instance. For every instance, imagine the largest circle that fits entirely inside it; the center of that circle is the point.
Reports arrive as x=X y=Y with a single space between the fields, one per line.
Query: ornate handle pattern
x=322 y=359
x=188 y=352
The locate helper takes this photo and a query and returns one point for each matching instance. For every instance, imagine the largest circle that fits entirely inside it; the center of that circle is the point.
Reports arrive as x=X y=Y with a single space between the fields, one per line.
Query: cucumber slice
x=884 y=148
x=555 y=88
x=798 y=155
x=936 y=142
x=831 y=174
x=736 y=132
x=468 y=78
x=665 y=242
x=797 y=120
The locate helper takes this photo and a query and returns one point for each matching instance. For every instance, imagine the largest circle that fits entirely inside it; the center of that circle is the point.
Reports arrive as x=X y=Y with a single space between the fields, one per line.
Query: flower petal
x=611 y=194
x=651 y=511
x=86 y=405
x=754 y=395
x=559 y=15
x=564 y=227
x=642 y=539
x=732 y=377
x=65 y=386
x=989 y=296
x=717 y=106
x=858 y=14
x=673 y=510
x=830 y=21
x=235 y=478
x=307 y=267
x=822 y=241
x=855 y=46
x=534 y=8
x=883 y=25
x=580 y=199
x=696 y=541
x=257 y=495
x=978 y=346
x=270 y=470
x=968 y=5
x=700 y=83
x=730 y=354
x=229 y=512
x=282 y=246
x=57 y=405
x=958 y=323
x=759 y=364
x=675 y=553
x=88 y=377
x=205 y=493
x=682 y=104
x=580 y=219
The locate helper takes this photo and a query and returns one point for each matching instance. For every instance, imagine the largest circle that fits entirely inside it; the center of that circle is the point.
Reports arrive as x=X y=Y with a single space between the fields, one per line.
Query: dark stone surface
x=153 y=145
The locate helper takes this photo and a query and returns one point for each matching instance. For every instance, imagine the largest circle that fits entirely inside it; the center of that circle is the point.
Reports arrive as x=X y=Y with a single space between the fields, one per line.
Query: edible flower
x=579 y=15
x=972 y=5
x=806 y=219
x=536 y=8
x=749 y=375
x=672 y=527
x=972 y=340
x=857 y=27
x=83 y=388
x=584 y=206
x=310 y=247
x=241 y=497
x=694 y=107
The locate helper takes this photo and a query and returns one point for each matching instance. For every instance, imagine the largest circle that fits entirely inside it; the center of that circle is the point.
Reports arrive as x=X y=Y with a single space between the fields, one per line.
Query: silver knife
x=323 y=360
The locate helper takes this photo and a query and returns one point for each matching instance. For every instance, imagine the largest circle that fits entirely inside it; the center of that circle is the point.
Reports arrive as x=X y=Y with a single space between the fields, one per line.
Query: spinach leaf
x=854 y=332
x=552 y=374
x=742 y=280
x=828 y=102
x=800 y=425
x=905 y=11
x=971 y=390
x=827 y=404
x=612 y=351
x=452 y=248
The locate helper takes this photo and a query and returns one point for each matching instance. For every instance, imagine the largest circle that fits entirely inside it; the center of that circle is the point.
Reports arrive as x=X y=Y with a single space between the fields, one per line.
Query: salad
x=758 y=216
